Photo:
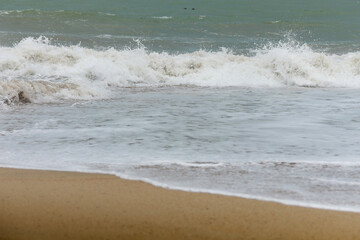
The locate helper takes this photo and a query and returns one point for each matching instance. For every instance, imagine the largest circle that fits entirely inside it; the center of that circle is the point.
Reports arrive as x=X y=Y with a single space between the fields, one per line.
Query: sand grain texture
x=66 y=205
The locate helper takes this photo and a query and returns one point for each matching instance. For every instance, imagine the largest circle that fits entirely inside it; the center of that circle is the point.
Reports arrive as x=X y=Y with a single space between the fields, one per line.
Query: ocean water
x=257 y=99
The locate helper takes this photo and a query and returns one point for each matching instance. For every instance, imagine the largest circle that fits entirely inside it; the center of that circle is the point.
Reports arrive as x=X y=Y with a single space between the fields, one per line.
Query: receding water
x=292 y=144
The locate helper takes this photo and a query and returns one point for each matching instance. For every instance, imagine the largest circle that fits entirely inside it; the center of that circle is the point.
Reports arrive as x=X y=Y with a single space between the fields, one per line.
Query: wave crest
x=41 y=72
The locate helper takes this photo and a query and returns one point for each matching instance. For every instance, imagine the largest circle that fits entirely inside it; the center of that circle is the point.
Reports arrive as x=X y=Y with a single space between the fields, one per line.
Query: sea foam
x=34 y=70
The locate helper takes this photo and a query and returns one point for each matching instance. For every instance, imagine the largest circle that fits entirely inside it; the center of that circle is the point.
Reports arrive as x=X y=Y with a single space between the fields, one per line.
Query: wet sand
x=67 y=205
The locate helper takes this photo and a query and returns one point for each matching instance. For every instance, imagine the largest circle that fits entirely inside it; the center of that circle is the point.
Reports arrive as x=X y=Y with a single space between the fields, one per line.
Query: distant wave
x=36 y=71
x=19 y=12
x=163 y=17
x=37 y=12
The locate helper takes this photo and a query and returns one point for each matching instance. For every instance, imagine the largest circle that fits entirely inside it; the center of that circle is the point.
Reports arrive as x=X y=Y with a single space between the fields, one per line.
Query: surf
x=35 y=70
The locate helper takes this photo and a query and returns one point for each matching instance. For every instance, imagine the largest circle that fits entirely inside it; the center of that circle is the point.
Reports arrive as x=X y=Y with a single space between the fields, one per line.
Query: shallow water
x=290 y=144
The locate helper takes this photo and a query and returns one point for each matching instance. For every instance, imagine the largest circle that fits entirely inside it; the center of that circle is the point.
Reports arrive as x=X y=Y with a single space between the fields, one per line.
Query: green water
x=332 y=26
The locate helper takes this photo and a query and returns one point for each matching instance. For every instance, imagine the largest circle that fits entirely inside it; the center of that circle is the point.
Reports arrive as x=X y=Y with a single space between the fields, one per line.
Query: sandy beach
x=67 y=205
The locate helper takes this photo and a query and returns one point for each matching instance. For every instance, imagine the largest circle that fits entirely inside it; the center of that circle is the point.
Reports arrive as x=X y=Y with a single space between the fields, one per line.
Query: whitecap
x=163 y=17
x=34 y=70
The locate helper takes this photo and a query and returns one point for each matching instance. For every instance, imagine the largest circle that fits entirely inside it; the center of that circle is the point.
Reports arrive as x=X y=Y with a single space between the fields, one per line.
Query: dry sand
x=65 y=205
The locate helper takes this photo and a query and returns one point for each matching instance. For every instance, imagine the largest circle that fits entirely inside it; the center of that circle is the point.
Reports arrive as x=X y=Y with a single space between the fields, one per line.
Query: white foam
x=336 y=182
x=49 y=73
x=4 y=13
x=182 y=164
x=7 y=12
x=107 y=14
x=107 y=36
x=162 y=17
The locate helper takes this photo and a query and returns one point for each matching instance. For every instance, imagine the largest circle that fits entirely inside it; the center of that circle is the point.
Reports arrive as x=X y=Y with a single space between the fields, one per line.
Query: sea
x=250 y=98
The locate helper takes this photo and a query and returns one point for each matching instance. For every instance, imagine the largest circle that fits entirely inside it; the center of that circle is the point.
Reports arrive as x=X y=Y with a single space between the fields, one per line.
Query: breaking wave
x=34 y=70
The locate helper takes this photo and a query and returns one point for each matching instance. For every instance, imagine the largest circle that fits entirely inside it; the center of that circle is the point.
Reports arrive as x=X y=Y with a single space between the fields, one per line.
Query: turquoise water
x=248 y=98
x=166 y=26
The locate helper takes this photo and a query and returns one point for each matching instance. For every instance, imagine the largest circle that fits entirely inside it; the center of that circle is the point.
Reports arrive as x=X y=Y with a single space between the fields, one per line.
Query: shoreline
x=293 y=203
x=43 y=204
